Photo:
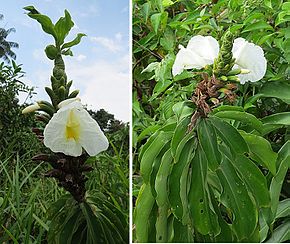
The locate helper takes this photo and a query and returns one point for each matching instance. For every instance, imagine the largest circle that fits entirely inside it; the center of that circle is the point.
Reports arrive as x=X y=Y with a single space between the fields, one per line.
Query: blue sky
x=100 y=65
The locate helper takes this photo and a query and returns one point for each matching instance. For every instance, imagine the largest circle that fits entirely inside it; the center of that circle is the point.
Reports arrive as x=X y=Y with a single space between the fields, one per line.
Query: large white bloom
x=200 y=51
x=251 y=57
x=72 y=129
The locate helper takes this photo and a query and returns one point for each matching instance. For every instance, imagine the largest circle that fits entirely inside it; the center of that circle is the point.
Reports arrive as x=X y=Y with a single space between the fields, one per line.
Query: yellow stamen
x=72 y=127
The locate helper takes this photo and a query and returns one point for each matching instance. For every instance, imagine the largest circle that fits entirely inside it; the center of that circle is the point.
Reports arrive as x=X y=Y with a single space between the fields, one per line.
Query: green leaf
x=155 y=21
x=243 y=117
x=277 y=119
x=283 y=209
x=202 y=213
x=283 y=163
x=230 y=136
x=151 y=153
x=95 y=229
x=261 y=151
x=227 y=108
x=159 y=20
x=161 y=184
x=254 y=179
x=208 y=141
x=257 y=26
x=144 y=205
x=235 y=197
x=179 y=133
x=148 y=131
x=155 y=168
x=182 y=110
x=46 y=24
x=67 y=52
x=277 y=89
x=281 y=233
x=63 y=27
x=74 y=42
x=175 y=179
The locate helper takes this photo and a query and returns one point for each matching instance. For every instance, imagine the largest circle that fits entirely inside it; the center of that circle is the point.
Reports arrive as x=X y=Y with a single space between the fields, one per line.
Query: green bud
x=47 y=109
x=54 y=83
x=61 y=93
x=68 y=85
x=74 y=94
x=52 y=96
x=224 y=62
x=223 y=78
x=51 y=52
x=234 y=72
x=233 y=78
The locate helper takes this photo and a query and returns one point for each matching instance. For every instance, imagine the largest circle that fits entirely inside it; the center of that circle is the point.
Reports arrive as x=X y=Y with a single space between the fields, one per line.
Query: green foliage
x=60 y=87
x=5 y=46
x=220 y=177
x=15 y=129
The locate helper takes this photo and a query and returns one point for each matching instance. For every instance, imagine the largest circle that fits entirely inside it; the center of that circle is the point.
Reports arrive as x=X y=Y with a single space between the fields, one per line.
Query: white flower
x=31 y=108
x=200 y=51
x=250 y=57
x=72 y=128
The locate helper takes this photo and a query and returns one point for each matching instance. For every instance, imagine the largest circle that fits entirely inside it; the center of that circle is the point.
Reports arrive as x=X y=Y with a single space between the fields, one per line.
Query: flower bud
x=31 y=108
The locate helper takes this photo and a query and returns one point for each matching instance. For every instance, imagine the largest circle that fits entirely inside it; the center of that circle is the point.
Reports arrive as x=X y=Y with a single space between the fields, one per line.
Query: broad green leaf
x=155 y=168
x=70 y=226
x=95 y=228
x=151 y=153
x=144 y=205
x=277 y=119
x=161 y=184
x=243 y=117
x=227 y=108
x=182 y=110
x=261 y=151
x=175 y=179
x=283 y=163
x=257 y=26
x=46 y=24
x=254 y=179
x=281 y=233
x=179 y=133
x=235 y=197
x=160 y=87
x=230 y=136
x=148 y=131
x=63 y=27
x=283 y=209
x=146 y=10
x=202 y=214
x=74 y=42
x=277 y=89
x=157 y=20
x=208 y=141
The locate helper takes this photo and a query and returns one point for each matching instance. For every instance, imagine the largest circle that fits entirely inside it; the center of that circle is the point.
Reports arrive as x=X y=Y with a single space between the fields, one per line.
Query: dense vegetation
x=226 y=179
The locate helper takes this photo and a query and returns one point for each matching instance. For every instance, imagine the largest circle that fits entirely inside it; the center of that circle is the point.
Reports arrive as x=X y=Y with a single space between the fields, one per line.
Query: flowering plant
x=71 y=136
x=203 y=122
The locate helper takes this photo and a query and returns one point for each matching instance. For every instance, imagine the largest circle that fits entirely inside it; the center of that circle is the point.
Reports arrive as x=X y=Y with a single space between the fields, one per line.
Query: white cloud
x=80 y=57
x=112 y=44
x=104 y=85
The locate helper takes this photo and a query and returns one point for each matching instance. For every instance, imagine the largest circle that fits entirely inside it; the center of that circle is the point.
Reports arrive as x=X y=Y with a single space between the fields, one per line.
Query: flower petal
x=66 y=102
x=186 y=59
x=54 y=136
x=92 y=138
x=249 y=56
x=206 y=47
